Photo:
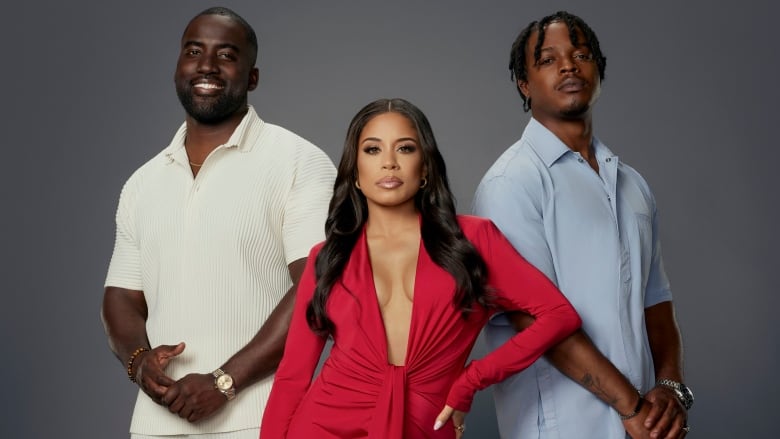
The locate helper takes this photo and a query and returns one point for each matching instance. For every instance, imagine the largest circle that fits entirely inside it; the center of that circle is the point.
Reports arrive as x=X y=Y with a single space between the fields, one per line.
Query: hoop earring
x=357 y=185
x=424 y=183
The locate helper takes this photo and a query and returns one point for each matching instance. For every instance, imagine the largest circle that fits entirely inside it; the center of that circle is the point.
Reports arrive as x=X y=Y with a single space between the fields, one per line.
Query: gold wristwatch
x=224 y=383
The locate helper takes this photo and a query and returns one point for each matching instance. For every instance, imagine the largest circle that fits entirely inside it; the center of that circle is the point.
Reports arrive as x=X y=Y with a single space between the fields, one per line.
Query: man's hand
x=194 y=397
x=149 y=368
x=667 y=416
x=635 y=427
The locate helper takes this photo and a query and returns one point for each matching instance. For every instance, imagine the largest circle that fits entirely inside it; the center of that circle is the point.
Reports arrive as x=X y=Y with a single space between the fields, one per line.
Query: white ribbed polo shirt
x=210 y=253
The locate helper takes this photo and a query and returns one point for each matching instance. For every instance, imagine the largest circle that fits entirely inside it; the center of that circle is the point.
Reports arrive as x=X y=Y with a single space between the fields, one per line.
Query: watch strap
x=229 y=393
x=681 y=391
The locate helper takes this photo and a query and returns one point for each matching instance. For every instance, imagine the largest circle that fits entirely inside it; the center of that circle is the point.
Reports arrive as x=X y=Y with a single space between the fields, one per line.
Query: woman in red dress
x=403 y=285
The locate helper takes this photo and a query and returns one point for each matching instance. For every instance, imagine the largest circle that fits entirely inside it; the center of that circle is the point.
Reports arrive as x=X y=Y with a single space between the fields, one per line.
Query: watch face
x=687 y=397
x=225 y=382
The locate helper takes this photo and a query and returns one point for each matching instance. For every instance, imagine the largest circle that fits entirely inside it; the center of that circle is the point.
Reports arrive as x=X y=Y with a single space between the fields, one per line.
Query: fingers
x=443 y=417
x=459 y=422
x=664 y=422
x=670 y=423
x=678 y=429
x=656 y=410
x=458 y=417
x=165 y=353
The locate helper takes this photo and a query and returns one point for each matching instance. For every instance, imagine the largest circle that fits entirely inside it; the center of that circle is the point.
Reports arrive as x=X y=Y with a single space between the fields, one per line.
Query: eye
x=371 y=149
x=192 y=52
x=407 y=148
x=226 y=55
x=545 y=61
x=583 y=56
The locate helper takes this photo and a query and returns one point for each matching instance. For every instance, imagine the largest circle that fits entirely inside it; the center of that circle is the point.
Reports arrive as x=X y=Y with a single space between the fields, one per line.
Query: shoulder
x=635 y=179
x=290 y=139
x=299 y=152
x=141 y=175
x=518 y=178
x=315 y=251
x=476 y=227
x=628 y=171
x=518 y=165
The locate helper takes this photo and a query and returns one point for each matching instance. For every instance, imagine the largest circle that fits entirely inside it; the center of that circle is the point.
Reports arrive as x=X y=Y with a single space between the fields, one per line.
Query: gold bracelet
x=130 y=362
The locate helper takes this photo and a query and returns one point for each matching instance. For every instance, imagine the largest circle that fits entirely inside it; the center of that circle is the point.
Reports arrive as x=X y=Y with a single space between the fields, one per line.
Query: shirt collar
x=550 y=148
x=249 y=128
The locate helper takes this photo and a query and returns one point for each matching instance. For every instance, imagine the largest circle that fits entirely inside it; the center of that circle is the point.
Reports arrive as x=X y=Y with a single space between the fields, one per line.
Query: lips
x=389 y=182
x=571 y=85
x=207 y=87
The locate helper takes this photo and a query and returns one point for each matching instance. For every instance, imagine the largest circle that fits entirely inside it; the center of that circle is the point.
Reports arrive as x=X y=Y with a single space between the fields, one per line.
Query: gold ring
x=461 y=428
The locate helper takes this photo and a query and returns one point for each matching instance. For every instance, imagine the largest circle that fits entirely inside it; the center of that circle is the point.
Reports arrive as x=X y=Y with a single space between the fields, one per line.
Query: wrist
x=637 y=408
x=223 y=382
x=131 y=362
x=680 y=390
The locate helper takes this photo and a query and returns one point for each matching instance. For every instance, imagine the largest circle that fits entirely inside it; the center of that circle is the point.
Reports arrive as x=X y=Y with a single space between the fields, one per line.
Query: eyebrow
x=219 y=46
x=377 y=139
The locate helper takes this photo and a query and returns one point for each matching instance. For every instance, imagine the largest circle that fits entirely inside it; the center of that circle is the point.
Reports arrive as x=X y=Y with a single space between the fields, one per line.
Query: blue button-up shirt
x=595 y=235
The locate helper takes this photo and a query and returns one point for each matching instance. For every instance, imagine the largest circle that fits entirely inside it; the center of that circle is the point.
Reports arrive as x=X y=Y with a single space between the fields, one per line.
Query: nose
x=207 y=64
x=390 y=162
x=568 y=65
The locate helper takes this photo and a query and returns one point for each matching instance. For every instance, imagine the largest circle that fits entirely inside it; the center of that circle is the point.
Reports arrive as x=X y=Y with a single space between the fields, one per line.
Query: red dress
x=358 y=394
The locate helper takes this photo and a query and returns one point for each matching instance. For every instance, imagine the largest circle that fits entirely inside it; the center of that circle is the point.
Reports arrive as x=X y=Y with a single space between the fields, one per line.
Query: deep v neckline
x=377 y=309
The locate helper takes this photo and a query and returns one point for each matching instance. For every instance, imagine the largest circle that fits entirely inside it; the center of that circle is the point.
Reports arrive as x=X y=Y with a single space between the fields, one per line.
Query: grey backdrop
x=690 y=100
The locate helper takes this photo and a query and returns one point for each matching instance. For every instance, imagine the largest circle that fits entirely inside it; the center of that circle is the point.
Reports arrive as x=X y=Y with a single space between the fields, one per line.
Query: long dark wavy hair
x=440 y=232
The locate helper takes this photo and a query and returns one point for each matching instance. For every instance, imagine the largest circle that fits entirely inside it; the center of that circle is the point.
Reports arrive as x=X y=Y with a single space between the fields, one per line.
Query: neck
x=577 y=134
x=204 y=138
x=390 y=221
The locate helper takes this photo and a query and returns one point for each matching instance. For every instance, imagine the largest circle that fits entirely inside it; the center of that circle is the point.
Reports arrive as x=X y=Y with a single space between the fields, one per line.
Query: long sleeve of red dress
x=359 y=394
x=518 y=285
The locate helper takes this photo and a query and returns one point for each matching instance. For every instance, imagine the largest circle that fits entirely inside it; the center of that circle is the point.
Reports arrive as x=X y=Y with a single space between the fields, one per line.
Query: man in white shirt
x=212 y=236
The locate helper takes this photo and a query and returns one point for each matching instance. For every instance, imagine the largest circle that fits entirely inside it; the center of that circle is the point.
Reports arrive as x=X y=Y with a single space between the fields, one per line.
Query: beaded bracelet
x=130 y=362
x=636 y=410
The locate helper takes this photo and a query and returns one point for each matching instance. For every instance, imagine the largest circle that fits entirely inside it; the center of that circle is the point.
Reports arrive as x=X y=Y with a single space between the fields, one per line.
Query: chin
x=575 y=111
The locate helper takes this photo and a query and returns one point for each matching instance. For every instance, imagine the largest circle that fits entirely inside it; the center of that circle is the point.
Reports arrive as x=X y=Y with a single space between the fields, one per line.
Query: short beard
x=575 y=111
x=219 y=110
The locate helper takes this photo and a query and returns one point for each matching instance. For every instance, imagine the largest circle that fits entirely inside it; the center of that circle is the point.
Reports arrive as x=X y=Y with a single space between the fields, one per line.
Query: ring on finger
x=461 y=428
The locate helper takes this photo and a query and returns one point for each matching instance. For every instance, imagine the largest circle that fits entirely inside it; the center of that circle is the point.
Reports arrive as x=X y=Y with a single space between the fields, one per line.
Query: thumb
x=167 y=352
x=443 y=417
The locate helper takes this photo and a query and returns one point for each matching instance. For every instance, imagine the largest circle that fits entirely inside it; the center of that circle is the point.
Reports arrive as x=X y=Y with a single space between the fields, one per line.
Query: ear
x=523 y=87
x=254 y=77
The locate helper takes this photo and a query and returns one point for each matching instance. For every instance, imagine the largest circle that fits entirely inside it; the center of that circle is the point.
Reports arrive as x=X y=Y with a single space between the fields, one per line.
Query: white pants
x=252 y=433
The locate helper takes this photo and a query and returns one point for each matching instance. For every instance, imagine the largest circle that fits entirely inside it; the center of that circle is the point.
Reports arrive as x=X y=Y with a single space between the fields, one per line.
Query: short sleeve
x=306 y=207
x=658 y=289
x=124 y=270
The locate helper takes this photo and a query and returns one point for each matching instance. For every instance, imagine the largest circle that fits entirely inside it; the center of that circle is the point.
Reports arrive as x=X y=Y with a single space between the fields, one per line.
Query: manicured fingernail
x=437 y=425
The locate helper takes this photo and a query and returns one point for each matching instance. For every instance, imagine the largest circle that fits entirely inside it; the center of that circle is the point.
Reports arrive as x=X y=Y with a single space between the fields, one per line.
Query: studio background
x=690 y=100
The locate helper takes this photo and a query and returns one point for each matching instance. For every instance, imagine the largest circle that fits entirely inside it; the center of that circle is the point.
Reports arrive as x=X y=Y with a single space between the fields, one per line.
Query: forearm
x=665 y=341
x=124 y=313
x=577 y=358
x=261 y=356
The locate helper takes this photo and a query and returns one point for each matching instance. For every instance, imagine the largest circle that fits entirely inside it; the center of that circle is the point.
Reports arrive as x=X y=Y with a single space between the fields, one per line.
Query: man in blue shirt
x=588 y=221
